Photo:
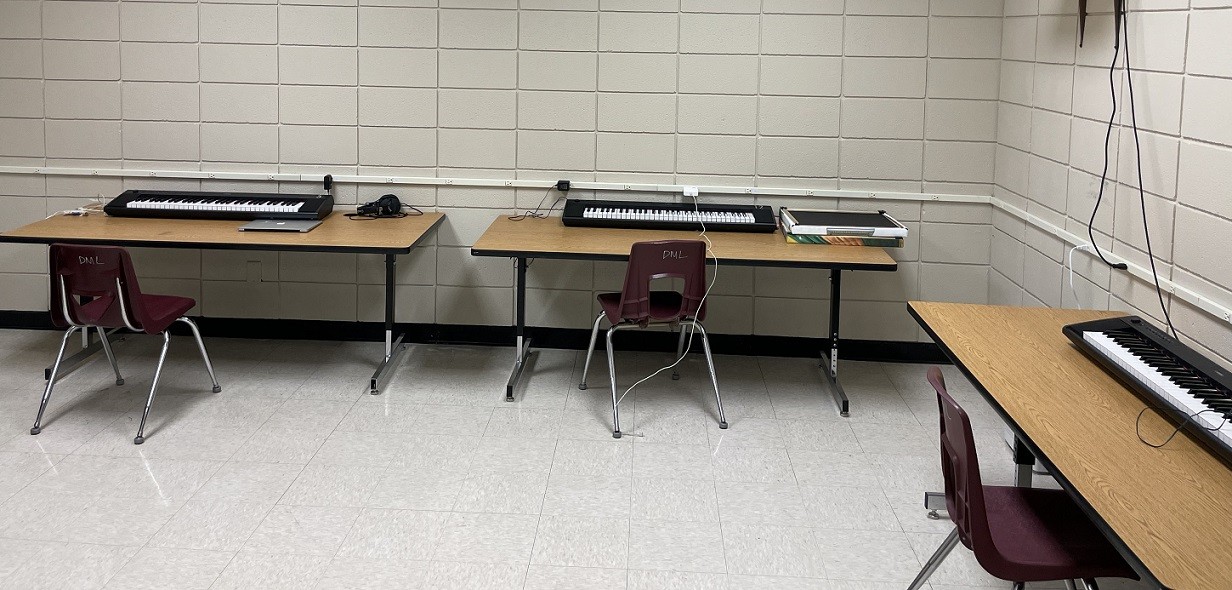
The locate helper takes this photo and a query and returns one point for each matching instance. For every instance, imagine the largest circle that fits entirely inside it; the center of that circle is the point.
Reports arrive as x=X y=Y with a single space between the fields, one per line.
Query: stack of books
x=844 y=228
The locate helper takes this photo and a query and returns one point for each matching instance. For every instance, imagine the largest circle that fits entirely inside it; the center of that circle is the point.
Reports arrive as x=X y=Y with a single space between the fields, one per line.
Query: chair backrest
x=964 y=490
x=682 y=259
x=104 y=277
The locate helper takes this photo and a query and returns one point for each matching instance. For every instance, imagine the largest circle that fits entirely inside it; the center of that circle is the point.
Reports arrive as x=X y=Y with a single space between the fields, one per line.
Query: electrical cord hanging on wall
x=1073 y=291
x=1103 y=177
x=1133 y=117
x=538 y=213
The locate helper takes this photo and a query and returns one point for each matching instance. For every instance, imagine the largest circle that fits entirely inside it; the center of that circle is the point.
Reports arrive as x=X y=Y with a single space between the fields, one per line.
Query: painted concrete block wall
x=869 y=96
x=1054 y=110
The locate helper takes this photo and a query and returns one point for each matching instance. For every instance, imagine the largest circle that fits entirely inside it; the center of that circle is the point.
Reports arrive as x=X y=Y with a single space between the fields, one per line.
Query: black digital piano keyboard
x=211 y=205
x=1187 y=387
x=681 y=216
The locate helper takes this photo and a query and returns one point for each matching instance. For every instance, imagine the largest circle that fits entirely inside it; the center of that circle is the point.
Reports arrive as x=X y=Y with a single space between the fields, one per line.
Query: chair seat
x=1044 y=535
x=163 y=310
x=664 y=307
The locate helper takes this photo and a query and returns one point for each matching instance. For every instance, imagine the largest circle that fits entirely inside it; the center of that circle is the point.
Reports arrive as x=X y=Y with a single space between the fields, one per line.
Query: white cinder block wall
x=1054 y=110
x=896 y=95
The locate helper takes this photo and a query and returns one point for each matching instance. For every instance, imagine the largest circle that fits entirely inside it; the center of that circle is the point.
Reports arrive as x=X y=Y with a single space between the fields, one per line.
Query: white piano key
x=1175 y=396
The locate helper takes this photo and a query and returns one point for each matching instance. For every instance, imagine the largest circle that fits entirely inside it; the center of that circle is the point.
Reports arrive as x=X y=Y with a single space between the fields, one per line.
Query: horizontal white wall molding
x=1207 y=305
x=489 y=182
x=1214 y=308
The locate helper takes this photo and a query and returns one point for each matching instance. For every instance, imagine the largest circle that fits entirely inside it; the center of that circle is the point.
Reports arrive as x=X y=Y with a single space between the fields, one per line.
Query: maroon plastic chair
x=95 y=287
x=1017 y=533
x=637 y=306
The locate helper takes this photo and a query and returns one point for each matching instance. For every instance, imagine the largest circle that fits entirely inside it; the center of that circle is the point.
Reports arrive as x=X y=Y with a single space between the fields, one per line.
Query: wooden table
x=1168 y=510
x=532 y=238
x=335 y=234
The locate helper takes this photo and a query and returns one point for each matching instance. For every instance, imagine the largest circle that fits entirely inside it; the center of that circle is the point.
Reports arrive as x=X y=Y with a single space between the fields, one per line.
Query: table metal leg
x=523 y=343
x=393 y=346
x=1024 y=464
x=829 y=363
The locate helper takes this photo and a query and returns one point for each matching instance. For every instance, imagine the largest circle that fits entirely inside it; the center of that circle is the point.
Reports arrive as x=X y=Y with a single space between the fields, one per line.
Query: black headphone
x=386 y=206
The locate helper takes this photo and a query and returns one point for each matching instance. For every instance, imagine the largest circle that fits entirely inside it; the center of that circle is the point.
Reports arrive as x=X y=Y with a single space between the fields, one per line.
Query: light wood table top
x=550 y=238
x=1172 y=507
x=336 y=233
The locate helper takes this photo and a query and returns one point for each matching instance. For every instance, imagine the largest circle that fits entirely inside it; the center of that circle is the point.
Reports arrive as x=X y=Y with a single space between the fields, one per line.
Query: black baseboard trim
x=563 y=338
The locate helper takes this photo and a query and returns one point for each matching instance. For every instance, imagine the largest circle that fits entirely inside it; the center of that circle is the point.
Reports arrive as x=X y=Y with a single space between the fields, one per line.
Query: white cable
x=689 y=344
x=95 y=207
x=1072 y=290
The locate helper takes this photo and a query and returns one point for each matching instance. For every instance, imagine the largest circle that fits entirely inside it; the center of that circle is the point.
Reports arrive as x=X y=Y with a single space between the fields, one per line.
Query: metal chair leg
x=680 y=350
x=611 y=372
x=590 y=350
x=714 y=378
x=204 y=355
x=162 y=357
x=51 y=381
x=102 y=338
x=935 y=561
x=1090 y=583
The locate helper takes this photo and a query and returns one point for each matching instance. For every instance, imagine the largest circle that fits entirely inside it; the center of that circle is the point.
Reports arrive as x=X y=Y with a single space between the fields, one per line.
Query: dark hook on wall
x=1082 y=21
x=1119 y=13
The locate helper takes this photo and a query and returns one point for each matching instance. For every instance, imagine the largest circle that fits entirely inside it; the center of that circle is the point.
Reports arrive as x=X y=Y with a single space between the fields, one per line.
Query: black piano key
x=1158 y=363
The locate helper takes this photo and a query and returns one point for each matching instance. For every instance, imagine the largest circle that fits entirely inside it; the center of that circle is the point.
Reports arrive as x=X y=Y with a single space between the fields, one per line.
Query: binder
x=844 y=240
x=816 y=222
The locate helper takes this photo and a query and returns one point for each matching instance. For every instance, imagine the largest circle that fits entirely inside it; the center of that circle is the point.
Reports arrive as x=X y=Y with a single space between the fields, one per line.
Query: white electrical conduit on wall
x=483 y=182
x=1185 y=294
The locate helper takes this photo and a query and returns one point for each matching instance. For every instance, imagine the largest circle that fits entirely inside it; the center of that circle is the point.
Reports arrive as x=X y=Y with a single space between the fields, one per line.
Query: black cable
x=1103 y=177
x=1181 y=426
x=1129 y=79
x=536 y=214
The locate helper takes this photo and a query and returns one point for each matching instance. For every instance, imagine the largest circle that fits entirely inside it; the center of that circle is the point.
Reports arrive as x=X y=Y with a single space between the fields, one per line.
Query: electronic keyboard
x=1172 y=376
x=647 y=215
x=207 y=205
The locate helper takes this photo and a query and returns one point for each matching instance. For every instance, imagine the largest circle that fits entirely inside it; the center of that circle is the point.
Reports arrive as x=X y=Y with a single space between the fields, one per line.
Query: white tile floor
x=295 y=477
